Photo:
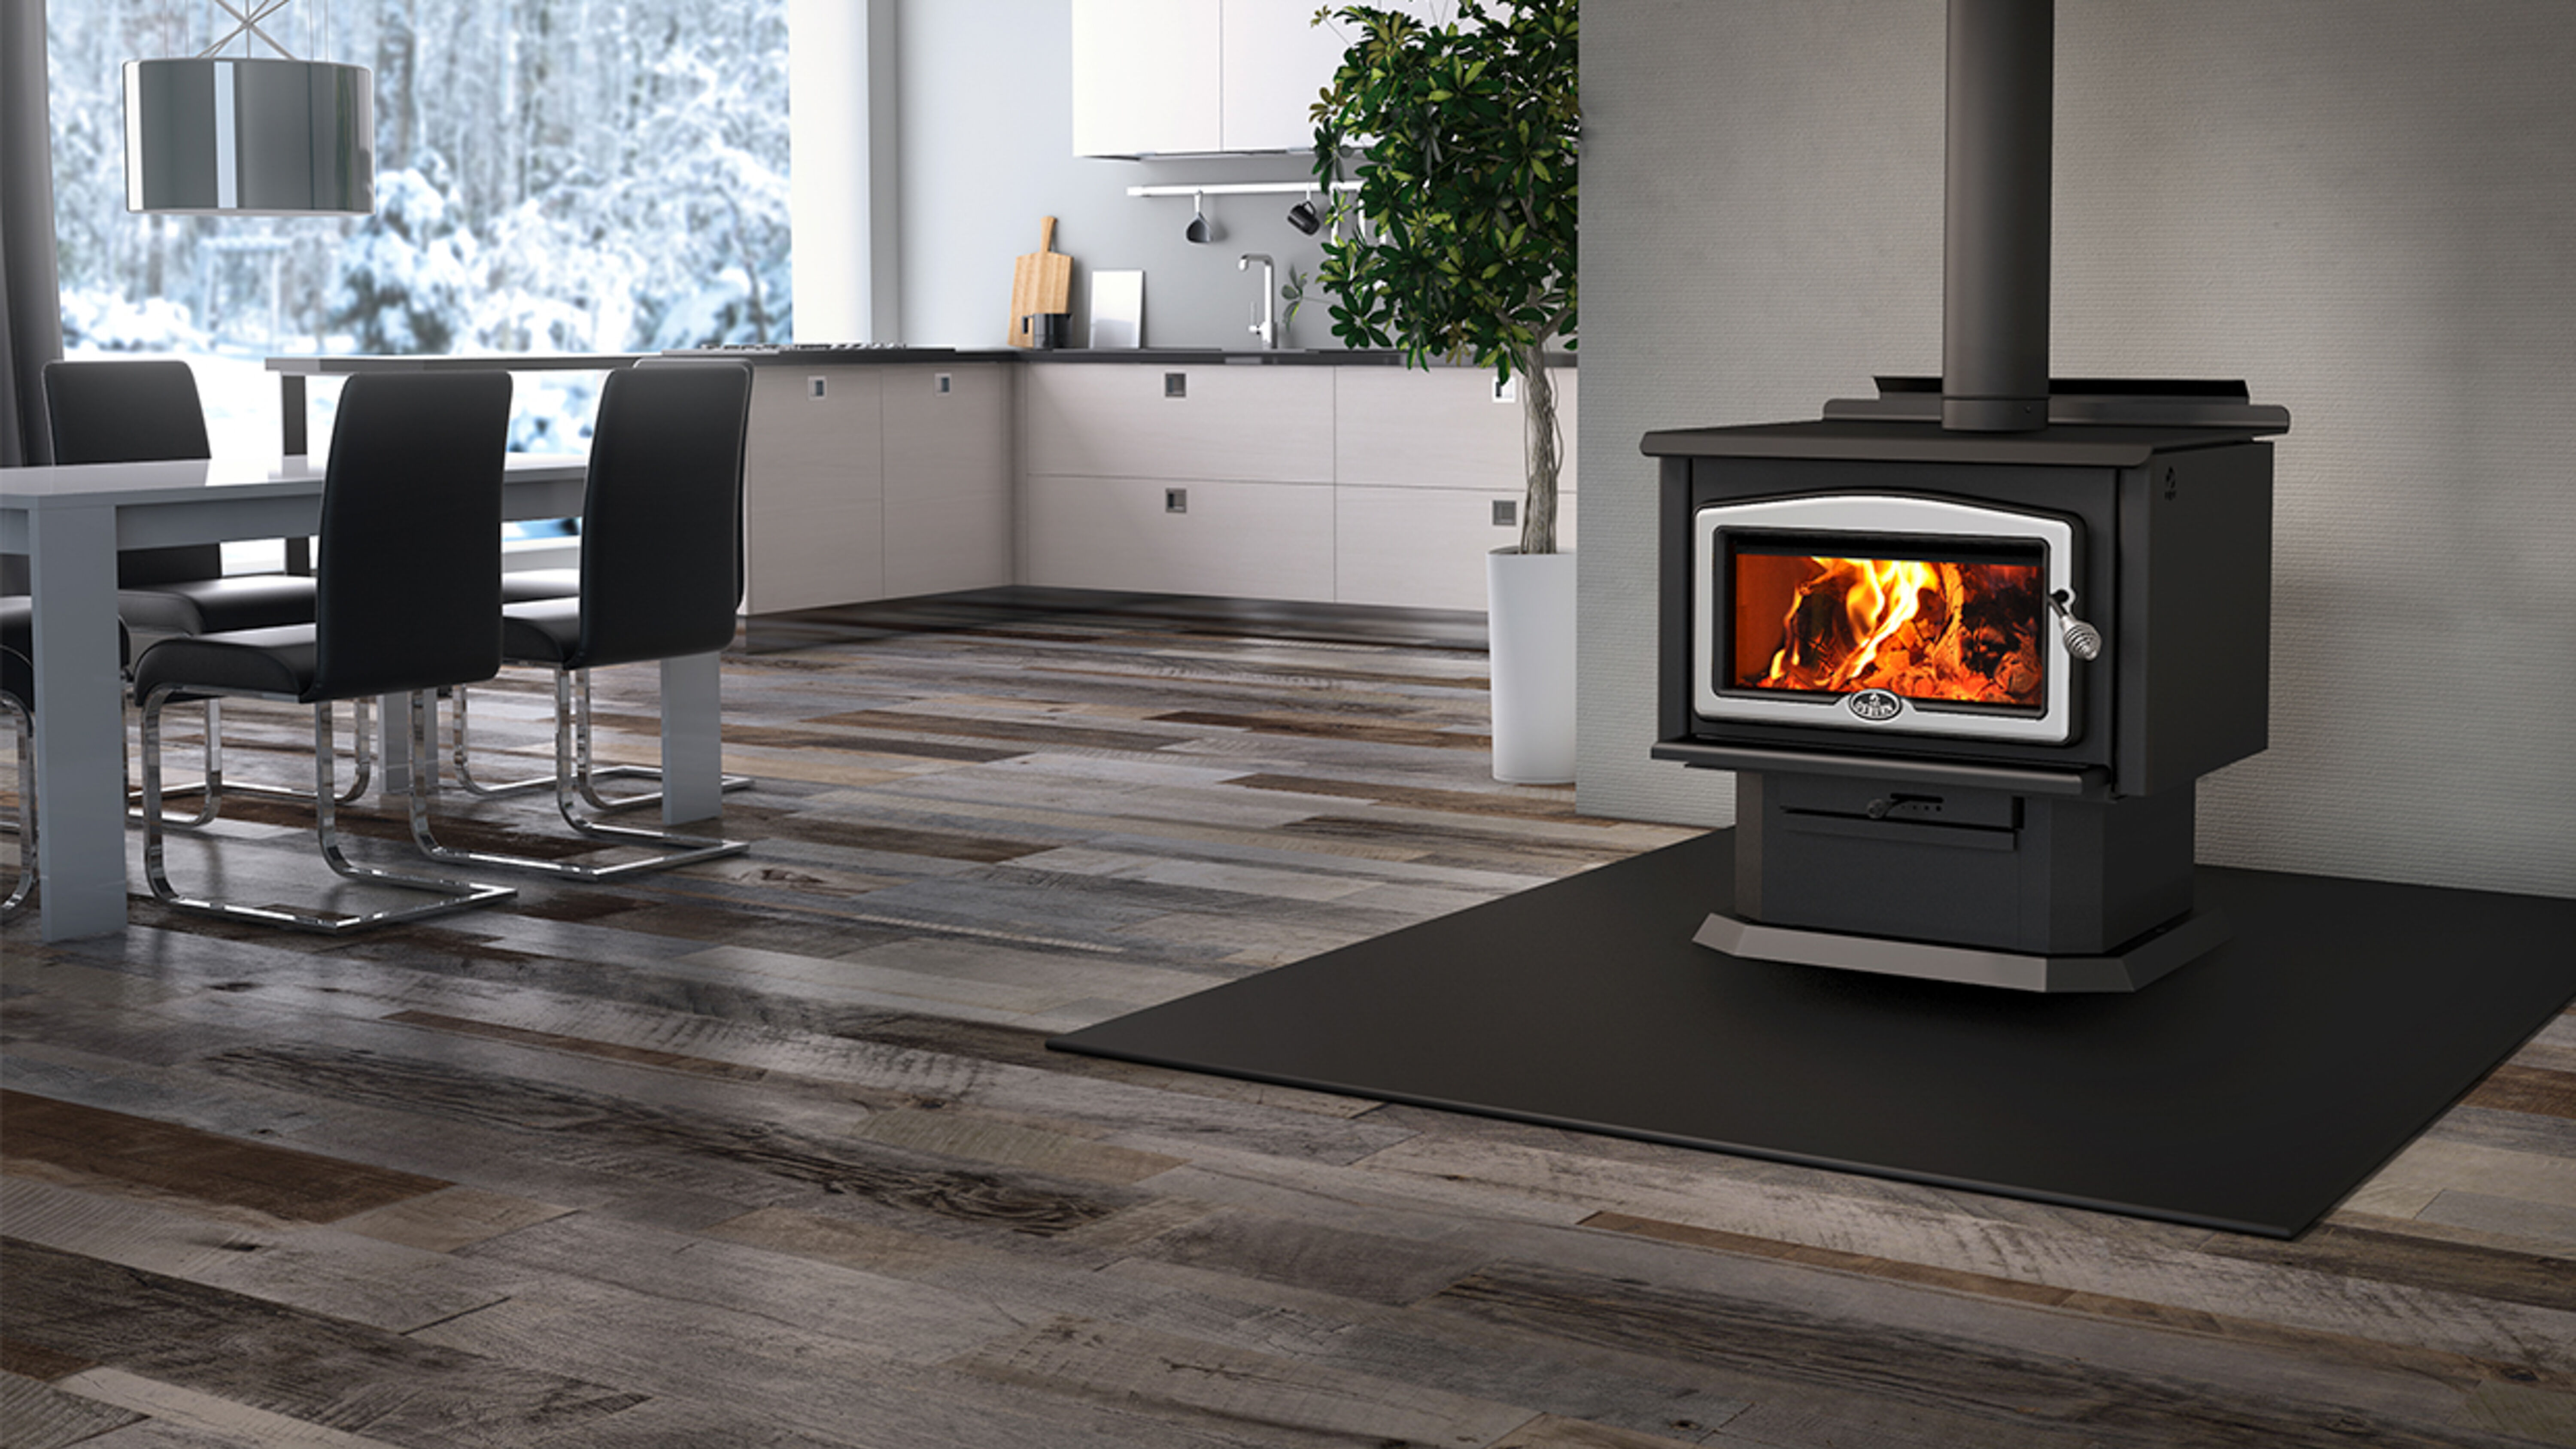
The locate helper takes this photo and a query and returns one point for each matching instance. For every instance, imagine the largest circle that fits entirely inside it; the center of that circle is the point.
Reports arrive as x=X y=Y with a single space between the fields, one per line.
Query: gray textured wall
x=2365 y=208
x=987 y=149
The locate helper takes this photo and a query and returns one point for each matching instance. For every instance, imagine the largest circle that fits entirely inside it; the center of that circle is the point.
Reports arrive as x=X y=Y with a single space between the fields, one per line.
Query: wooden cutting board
x=1041 y=281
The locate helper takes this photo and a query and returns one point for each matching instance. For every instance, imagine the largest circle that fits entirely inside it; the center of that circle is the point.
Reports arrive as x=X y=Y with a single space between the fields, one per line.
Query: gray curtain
x=31 y=303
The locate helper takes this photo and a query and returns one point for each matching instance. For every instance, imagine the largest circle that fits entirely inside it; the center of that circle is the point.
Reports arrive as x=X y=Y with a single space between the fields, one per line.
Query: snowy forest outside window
x=551 y=176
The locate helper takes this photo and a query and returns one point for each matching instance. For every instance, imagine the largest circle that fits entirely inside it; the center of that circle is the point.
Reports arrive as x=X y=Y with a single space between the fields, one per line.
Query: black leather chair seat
x=279 y=661
x=530 y=585
x=547 y=631
x=219 y=605
x=18 y=681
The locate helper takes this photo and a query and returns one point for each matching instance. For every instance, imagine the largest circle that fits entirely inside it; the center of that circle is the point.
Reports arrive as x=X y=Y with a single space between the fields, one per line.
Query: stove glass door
x=1875 y=612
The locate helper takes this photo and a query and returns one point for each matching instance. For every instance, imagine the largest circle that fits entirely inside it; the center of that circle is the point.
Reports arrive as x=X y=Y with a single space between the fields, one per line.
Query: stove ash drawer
x=1966 y=868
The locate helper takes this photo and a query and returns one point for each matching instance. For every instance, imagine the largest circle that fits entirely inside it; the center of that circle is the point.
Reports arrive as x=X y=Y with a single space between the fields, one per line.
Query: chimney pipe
x=1994 y=298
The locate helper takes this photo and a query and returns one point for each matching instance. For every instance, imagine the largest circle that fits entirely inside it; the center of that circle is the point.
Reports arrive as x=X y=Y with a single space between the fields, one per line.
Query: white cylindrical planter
x=1529 y=629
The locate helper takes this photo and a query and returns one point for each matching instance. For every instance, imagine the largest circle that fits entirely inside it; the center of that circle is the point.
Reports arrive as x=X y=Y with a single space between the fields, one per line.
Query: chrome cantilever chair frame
x=210 y=787
x=587 y=774
x=676 y=849
x=455 y=895
x=24 y=827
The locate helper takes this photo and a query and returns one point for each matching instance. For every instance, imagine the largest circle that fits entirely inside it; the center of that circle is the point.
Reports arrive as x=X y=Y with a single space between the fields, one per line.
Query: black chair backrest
x=408 y=589
x=738 y=561
x=133 y=412
x=661 y=514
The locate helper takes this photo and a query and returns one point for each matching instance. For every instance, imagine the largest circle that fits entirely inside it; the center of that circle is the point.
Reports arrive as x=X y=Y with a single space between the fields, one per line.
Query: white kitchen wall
x=987 y=149
x=2365 y=208
x=841 y=76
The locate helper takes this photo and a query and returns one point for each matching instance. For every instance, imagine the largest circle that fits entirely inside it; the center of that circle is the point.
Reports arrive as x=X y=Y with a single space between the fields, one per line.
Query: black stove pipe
x=1994 y=299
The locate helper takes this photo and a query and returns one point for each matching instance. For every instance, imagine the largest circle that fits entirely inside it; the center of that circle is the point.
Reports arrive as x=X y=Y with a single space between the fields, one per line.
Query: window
x=551 y=176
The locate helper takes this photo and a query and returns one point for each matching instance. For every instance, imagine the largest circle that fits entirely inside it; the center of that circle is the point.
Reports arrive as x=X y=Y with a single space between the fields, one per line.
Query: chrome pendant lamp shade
x=237 y=136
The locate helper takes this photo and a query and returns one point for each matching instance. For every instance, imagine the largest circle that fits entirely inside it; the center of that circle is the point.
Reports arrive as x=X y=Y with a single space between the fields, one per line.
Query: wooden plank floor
x=769 y=1151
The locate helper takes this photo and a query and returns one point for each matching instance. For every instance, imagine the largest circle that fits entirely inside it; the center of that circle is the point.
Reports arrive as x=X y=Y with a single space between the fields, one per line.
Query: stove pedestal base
x=2131 y=967
x=1983 y=873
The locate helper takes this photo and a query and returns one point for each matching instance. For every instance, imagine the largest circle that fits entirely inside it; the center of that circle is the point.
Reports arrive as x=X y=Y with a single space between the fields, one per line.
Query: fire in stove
x=1949 y=630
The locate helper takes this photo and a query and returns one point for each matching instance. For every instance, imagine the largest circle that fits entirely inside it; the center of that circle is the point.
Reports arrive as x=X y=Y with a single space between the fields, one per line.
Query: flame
x=1924 y=630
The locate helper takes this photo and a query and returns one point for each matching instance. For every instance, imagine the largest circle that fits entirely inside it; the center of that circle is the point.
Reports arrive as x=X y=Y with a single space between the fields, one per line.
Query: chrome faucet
x=1266 y=329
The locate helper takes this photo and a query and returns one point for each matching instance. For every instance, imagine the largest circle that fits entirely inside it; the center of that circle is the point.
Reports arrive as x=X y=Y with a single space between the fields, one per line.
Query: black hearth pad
x=2250 y=1090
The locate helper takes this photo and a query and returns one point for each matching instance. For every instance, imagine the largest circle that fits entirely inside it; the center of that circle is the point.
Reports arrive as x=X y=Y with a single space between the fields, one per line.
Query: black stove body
x=1968 y=644
x=1967 y=680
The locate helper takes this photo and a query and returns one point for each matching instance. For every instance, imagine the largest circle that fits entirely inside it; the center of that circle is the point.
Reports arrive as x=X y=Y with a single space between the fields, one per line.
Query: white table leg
x=80 y=722
x=692 y=745
x=393 y=751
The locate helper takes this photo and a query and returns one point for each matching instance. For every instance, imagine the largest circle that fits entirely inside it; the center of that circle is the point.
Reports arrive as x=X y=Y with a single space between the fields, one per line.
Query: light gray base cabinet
x=873 y=482
x=1359 y=484
x=1329 y=484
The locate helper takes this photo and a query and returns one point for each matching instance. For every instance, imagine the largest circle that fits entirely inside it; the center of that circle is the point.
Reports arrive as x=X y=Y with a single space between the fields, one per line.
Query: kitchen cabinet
x=1420 y=461
x=812 y=498
x=947 y=458
x=1424 y=548
x=1150 y=420
x=1355 y=483
x=1146 y=77
x=871 y=482
x=1235 y=539
x=1307 y=479
x=1182 y=77
x=1182 y=479
x=1275 y=62
x=1404 y=427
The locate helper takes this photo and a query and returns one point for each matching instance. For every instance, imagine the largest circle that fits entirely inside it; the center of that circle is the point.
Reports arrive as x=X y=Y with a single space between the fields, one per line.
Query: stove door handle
x=2082 y=639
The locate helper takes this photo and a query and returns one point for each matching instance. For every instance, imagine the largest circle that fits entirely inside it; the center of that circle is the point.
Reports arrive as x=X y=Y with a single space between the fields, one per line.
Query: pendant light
x=213 y=135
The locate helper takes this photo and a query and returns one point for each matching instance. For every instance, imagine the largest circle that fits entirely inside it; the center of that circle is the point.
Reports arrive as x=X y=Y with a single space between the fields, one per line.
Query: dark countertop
x=866 y=356
x=848 y=355
x=1212 y=356
x=1132 y=356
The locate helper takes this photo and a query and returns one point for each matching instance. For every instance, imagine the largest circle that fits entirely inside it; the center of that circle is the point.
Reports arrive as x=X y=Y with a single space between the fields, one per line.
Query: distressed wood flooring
x=769 y=1151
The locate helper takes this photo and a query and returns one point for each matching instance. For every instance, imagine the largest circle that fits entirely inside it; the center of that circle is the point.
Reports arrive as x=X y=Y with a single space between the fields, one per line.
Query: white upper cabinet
x=1145 y=77
x=1275 y=64
x=1182 y=77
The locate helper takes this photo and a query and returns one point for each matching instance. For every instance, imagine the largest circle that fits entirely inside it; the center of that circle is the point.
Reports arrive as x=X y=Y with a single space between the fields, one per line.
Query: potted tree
x=1459 y=244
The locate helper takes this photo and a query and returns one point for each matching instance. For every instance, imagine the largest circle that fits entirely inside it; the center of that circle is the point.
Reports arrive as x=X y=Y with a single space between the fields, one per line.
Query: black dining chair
x=659 y=576
x=409 y=601
x=147 y=411
x=528 y=586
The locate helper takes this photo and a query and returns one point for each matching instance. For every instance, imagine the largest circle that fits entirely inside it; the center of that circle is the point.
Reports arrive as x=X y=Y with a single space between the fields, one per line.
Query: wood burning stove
x=1968 y=644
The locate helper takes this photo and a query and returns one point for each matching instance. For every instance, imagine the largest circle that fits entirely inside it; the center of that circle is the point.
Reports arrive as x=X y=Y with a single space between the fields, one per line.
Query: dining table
x=71 y=521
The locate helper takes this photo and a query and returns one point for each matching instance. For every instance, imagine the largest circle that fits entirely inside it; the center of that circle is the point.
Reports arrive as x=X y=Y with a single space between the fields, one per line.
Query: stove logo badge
x=1875 y=705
